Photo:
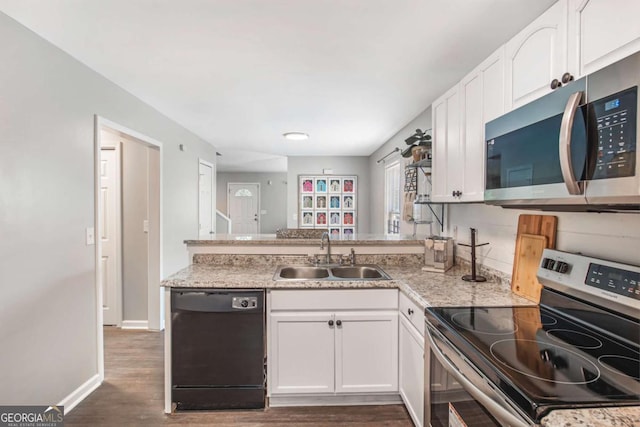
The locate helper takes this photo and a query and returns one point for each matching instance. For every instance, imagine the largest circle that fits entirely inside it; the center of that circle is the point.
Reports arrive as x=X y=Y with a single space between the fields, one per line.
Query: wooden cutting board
x=539 y=232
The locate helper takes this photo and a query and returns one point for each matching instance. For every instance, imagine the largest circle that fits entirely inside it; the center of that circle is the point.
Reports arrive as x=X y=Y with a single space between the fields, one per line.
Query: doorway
x=129 y=238
x=206 y=200
x=243 y=207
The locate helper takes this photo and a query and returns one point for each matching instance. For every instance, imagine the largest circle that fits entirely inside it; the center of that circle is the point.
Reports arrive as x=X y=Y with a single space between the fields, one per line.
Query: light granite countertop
x=425 y=289
x=271 y=239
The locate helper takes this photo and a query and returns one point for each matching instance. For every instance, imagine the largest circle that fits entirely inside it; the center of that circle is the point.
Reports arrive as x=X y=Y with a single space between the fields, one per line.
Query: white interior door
x=244 y=207
x=109 y=229
x=206 y=216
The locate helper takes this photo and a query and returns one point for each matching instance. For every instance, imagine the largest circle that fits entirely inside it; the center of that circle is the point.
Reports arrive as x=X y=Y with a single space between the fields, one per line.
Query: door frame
x=213 y=194
x=229 y=184
x=155 y=296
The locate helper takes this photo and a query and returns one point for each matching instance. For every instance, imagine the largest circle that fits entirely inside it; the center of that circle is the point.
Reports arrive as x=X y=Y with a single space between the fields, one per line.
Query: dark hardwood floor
x=132 y=394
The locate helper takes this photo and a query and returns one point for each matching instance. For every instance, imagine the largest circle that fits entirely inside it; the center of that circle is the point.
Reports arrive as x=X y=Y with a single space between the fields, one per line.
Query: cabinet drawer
x=334 y=299
x=412 y=312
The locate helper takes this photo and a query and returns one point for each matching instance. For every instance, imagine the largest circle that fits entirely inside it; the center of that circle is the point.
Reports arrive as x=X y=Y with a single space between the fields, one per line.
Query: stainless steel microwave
x=573 y=149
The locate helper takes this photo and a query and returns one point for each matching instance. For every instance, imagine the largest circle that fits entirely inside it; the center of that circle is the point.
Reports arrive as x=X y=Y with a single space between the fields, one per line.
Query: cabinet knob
x=410 y=311
x=555 y=84
x=566 y=78
x=339 y=322
x=330 y=322
x=456 y=193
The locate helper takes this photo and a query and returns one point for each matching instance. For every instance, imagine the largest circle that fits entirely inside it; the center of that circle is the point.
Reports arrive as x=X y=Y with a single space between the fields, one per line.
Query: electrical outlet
x=90 y=236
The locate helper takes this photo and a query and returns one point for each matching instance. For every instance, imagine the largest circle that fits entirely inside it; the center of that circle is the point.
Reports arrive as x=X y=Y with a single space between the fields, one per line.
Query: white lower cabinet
x=333 y=342
x=411 y=373
x=301 y=353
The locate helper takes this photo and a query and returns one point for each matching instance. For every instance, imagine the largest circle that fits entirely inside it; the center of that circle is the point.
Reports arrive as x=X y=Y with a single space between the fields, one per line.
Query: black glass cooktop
x=543 y=359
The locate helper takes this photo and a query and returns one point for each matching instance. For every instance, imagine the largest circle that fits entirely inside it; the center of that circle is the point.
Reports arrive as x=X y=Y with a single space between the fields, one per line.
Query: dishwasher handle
x=217 y=301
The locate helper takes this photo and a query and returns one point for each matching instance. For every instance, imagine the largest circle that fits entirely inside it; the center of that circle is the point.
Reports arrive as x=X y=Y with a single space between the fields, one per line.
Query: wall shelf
x=424 y=165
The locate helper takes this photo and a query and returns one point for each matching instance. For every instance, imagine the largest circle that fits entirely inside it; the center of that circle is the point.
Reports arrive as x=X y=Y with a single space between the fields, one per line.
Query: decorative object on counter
x=407 y=210
x=473 y=277
x=300 y=233
x=535 y=233
x=438 y=254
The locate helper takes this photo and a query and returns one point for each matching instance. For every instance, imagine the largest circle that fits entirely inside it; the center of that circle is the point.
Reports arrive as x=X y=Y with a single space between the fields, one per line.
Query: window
x=392 y=198
x=243 y=192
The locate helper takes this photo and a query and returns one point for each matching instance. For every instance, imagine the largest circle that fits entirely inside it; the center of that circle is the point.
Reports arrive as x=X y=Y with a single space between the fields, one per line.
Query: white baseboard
x=335 y=400
x=79 y=394
x=135 y=324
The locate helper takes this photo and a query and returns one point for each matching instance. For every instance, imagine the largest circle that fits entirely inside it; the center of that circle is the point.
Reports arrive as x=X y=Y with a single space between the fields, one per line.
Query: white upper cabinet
x=458 y=119
x=536 y=56
x=447 y=172
x=481 y=100
x=602 y=32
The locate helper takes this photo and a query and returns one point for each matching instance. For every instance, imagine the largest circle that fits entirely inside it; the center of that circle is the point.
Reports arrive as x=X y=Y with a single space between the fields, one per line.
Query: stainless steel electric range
x=513 y=365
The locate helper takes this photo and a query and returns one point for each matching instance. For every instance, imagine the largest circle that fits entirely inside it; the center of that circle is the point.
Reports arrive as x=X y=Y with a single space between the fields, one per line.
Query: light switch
x=145 y=225
x=90 y=236
x=263 y=212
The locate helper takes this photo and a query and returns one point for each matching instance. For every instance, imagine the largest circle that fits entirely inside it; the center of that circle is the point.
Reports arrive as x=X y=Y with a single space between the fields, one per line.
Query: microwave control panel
x=616 y=123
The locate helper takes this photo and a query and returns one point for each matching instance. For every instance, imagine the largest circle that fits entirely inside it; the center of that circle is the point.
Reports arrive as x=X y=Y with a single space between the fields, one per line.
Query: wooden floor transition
x=133 y=394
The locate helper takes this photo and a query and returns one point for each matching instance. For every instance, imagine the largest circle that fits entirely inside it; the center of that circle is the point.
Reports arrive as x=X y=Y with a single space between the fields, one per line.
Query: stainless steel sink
x=330 y=272
x=359 y=272
x=302 y=272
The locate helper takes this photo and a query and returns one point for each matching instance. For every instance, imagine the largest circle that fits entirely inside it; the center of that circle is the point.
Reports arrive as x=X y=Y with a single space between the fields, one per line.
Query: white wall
x=341 y=165
x=609 y=236
x=377 y=210
x=272 y=196
x=47 y=273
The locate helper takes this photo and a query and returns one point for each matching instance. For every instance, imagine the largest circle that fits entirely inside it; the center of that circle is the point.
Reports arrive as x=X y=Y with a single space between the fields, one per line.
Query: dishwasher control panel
x=244 y=303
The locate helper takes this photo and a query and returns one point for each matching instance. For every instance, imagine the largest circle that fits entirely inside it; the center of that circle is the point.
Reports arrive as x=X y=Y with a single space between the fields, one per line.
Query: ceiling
x=240 y=73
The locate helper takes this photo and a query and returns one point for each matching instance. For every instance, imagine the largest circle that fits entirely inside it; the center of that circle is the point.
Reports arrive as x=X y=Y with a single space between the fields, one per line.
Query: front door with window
x=244 y=208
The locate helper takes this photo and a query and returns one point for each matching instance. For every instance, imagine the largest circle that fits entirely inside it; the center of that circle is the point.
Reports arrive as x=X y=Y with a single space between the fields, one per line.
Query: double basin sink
x=330 y=272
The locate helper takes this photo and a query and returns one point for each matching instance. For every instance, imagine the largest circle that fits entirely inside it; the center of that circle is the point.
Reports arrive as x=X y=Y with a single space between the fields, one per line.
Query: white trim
x=229 y=184
x=135 y=324
x=155 y=300
x=213 y=194
x=79 y=394
x=334 y=400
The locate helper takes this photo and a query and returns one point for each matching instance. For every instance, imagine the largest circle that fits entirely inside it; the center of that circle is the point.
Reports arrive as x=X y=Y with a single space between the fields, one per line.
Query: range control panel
x=616 y=280
x=605 y=283
x=615 y=118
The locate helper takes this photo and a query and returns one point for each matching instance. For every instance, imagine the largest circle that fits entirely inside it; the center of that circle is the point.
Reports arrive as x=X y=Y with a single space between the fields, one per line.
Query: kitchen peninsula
x=249 y=262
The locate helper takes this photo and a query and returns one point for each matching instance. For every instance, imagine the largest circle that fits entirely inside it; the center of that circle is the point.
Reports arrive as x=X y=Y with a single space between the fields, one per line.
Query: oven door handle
x=502 y=415
x=564 y=144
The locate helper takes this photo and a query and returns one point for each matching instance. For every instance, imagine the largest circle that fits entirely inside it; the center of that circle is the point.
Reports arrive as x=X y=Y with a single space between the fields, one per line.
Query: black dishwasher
x=217 y=349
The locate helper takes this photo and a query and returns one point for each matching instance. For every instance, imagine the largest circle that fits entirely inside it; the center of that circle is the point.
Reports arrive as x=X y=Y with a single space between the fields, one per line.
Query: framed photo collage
x=328 y=201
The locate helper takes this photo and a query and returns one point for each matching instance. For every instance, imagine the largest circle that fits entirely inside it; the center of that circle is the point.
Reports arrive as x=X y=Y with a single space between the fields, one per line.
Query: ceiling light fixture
x=295 y=136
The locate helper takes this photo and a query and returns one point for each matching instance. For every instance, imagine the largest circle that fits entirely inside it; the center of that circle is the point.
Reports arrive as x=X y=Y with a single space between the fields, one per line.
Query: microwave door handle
x=502 y=415
x=573 y=103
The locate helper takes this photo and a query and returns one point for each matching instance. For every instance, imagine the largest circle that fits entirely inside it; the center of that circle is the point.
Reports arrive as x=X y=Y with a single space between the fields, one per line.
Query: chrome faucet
x=328 y=259
x=352 y=257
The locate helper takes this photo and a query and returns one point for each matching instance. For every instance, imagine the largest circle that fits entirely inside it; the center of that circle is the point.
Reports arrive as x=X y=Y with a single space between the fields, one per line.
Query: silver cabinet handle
x=564 y=144
x=501 y=414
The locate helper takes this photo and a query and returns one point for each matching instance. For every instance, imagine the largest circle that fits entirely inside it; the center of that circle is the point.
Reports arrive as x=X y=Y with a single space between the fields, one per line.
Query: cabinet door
x=411 y=378
x=602 y=32
x=301 y=353
x=536 y=56
x=366 y=352
x=447 y=169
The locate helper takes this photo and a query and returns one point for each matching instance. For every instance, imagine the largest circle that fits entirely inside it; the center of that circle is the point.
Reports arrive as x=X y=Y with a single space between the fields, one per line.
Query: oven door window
x=451 y=405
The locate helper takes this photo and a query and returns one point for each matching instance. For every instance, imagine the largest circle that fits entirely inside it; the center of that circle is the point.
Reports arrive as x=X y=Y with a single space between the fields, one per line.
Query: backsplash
x=249 y=260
